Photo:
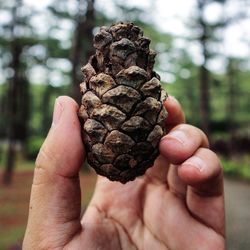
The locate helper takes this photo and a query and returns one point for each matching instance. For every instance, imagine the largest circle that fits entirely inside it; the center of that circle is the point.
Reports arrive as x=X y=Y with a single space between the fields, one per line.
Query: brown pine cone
x=122 y=110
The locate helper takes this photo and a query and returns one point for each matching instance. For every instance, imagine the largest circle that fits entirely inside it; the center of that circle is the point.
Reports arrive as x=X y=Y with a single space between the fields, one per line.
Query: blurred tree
x=206 y=35
x=232 y=75
x=3 y=110
x=14 y=39
x=82 y=47
x=237 y=116
x=81 y=16
x=14 y=85
x=209 y=36
x=186 y=85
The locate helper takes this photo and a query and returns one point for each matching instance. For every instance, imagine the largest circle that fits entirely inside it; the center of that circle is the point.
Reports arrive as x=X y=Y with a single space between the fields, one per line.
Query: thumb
x=55 y=202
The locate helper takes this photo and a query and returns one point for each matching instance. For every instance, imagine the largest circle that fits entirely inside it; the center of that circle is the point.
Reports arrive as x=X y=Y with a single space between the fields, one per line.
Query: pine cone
x=122 y=110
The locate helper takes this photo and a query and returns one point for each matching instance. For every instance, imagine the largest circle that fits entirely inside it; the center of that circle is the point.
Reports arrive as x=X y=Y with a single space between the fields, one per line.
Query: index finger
x=175 y=113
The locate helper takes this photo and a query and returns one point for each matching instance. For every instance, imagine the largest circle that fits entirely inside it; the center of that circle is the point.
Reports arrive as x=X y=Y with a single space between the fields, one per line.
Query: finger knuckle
x=211 y=158
x=41 y=159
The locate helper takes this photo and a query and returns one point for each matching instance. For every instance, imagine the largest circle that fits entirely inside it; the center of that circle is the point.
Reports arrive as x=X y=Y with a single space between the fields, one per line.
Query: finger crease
x=39 y=166
x=125 y=231
x=205 y=193
x=204 y=223
x=105 y=215
x=156 y=180
x=157 y=238
x=177 y=193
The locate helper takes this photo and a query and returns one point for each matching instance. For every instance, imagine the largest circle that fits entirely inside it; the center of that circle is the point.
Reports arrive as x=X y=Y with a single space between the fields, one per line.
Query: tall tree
x=208 y=35
x=82 y=42
x=206 y=31
x=14 y=83
x=15 y=38
x=231 y=78
x=81 y=15
x=204 y=73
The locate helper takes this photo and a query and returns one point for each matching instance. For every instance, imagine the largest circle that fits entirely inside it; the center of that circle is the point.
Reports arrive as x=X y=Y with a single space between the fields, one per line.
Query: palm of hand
x=145 y=214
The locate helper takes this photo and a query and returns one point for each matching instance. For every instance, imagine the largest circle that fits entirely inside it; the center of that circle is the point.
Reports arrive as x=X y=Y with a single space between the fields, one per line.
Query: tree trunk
x=16 y=50
x=231 y=75
x=82 y=43
x=10 y=161
x=204 y=100
x=12 y=113
x=204 y=73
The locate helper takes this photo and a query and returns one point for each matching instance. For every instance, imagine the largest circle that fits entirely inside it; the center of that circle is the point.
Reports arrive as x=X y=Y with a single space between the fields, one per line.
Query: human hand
x=177 y=204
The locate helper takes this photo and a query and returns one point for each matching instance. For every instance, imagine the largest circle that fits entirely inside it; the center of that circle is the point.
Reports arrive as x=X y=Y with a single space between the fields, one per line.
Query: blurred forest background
x=203 y=59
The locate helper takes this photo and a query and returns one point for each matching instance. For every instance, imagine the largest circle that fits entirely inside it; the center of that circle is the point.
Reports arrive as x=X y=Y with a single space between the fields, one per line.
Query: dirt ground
x=237 y=198
x=14 y=207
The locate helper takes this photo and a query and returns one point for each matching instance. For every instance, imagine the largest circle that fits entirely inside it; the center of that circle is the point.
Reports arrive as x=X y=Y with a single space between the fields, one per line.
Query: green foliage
x=238 y=167
x=61 y=12
x=219 y=1
x=42 y=103
x=54 y=48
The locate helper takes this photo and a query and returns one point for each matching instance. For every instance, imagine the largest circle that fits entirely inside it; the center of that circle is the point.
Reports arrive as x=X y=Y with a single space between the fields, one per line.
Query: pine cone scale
x=123 y=97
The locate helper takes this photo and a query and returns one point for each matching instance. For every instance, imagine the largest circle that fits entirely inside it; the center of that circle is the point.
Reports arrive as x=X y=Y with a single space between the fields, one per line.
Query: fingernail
x=177 y=135
x=196 y=162
x=58 y=108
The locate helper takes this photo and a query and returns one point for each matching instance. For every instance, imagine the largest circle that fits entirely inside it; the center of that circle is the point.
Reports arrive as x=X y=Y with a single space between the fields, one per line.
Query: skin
x=177 y=204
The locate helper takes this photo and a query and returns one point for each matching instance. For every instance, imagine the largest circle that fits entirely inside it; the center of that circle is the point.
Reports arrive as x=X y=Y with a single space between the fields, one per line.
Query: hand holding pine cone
x=122 y=110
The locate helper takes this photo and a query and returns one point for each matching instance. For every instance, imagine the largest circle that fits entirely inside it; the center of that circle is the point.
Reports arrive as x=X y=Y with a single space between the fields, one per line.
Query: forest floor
x=237 y=198
x=14 y=202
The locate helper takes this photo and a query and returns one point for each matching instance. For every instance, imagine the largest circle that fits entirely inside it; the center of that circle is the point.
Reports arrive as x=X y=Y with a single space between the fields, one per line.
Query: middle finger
x=182 y=142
